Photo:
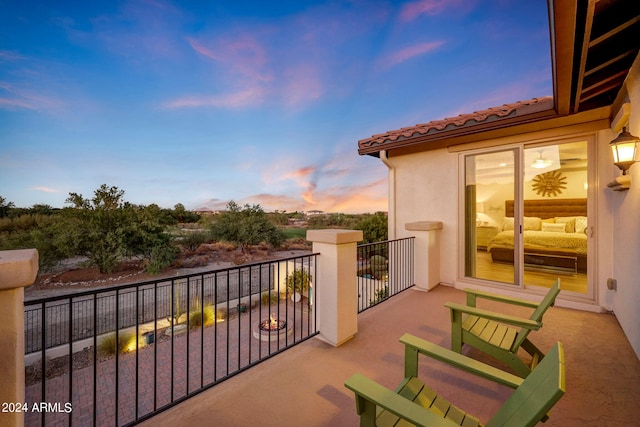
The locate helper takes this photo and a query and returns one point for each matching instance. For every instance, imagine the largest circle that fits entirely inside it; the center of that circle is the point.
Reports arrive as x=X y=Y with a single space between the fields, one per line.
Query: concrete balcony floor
x=304 y=386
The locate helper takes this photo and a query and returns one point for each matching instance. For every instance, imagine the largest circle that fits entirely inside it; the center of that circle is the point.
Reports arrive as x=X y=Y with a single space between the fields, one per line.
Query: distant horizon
x=201 y=209
x=261 y=103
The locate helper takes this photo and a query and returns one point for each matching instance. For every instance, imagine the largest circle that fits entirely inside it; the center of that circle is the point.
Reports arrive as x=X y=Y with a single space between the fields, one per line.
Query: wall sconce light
x=624 y=149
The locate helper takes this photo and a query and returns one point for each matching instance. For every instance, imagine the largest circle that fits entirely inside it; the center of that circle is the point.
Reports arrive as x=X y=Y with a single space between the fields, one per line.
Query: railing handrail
x=121 y=287
x=206 y=351
x=362 y=245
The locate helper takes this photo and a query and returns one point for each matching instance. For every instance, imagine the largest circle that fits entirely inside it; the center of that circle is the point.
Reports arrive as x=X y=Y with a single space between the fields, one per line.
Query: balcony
x=304 y=384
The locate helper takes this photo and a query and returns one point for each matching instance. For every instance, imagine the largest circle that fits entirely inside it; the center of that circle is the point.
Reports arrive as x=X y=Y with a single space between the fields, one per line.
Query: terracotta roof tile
x=463 y=120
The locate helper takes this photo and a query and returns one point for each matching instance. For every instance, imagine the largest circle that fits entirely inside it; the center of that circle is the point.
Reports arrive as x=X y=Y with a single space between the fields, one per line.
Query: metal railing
x=120 y=355
x=384 y=269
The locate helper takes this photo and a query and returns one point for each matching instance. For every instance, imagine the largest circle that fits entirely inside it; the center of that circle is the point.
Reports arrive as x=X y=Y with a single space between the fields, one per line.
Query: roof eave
x=434 y=140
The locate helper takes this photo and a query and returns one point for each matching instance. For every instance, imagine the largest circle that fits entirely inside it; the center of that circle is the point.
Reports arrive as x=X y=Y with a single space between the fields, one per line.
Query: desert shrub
x=221 y=314
x=191 y=240
x=126 y=342
x=246 y=226
x=270 y=297
x=201 y=316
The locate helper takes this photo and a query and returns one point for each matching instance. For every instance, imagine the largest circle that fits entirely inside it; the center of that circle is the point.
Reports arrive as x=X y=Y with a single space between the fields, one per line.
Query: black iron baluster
x=70 y=356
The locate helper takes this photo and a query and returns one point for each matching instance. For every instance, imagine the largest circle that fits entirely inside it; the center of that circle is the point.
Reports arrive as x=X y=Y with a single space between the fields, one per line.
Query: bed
x=555 y=235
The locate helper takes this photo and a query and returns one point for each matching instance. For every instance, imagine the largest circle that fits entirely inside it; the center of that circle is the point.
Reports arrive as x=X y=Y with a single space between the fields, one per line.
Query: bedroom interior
x=553 y=218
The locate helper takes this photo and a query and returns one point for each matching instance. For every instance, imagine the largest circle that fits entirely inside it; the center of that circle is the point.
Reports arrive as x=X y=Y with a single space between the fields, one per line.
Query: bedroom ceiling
x=498 y=166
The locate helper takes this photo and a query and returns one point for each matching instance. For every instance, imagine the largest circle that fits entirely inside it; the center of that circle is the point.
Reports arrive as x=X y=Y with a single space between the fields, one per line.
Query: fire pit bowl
x=272 y=329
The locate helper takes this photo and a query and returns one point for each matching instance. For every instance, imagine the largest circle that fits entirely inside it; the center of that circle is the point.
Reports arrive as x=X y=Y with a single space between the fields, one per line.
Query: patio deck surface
x=304 y=386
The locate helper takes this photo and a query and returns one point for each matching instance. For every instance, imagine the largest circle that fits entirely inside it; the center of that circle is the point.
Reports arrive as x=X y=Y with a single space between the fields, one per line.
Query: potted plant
x=378 y=265
x=298 y=282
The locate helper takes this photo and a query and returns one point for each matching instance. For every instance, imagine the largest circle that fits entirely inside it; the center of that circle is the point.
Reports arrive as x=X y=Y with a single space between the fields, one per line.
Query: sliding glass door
x=526 y=215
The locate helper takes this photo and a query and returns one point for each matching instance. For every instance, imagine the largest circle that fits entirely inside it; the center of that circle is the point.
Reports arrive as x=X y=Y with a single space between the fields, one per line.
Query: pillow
x=549 y=220
x=558 y=228
x=508 y=223
x=569 y=221
x=581 y=224
x=531 y=223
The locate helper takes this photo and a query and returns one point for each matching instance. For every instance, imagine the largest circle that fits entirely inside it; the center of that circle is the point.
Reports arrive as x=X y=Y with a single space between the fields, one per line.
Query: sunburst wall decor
x=549 y=184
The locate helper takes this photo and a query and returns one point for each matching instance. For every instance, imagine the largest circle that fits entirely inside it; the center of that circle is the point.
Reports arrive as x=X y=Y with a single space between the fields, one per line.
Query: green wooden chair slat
x=415 y=403
x=499 y=335
x=469 y=321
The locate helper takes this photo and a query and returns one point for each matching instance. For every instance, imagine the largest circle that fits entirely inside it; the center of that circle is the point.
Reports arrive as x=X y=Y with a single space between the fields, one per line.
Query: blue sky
x=261 y=102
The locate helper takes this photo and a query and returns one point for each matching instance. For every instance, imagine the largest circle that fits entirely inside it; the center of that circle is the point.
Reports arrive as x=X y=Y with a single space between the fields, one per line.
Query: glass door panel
x=489 y=235
x=555 y=215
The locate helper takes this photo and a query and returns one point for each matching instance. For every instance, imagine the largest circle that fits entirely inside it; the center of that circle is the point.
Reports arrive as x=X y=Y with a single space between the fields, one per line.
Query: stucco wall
x=426 y=189
x=626 y=232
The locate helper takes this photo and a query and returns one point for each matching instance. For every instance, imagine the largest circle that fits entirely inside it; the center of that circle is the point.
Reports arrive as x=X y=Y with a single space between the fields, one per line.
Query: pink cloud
x=20 y=98
x=368 y=197
x=411 y=11
x=246 y=98
x=303 y=84
x=243 y=55
x=45 y=189
x=299 y=173
x=408 y=53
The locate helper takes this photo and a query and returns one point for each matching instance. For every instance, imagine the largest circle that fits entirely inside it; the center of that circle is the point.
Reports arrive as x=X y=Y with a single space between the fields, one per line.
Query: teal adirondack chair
x=414 y=402
x=496 y=334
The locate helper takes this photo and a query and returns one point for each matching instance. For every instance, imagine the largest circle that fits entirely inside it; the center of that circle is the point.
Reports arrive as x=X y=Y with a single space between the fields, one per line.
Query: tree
x=5 y=207
x=107 y=229
x=246 y=226
x=374 y=227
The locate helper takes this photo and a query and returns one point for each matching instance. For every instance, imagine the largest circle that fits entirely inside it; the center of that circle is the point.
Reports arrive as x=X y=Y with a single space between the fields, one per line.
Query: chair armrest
x=456 y=360
x=378 y=395
x=472 y=294
x=492 y=315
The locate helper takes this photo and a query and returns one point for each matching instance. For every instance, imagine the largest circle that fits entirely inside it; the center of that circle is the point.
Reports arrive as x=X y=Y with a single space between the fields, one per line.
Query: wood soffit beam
x=614 y=31
x=563 y=28
x=607 y=85
x=610 y=62
x=583 y=55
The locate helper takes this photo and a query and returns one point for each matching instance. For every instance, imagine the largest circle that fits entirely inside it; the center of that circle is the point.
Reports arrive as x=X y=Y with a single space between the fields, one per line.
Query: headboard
x=549 y=208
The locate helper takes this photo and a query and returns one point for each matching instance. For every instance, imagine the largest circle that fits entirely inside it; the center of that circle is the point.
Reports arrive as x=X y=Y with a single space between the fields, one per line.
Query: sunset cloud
x=246 y=98
x=413 y=10
x=45 y=189
x=243 y=55
x=16 y=97
x=409 y=52
x=367 y=197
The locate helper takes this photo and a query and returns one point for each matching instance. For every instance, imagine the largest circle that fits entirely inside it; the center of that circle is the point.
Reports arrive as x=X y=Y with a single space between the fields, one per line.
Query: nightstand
x=484 y=234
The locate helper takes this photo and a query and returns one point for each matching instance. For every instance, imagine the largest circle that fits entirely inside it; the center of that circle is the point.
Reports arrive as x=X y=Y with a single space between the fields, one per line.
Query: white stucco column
x=426 y=252
x=336 y=287
x=17 y=270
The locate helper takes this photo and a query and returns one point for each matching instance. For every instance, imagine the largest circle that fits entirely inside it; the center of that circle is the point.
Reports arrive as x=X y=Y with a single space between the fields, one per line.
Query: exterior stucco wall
x=625 y=208
x=426 y=189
